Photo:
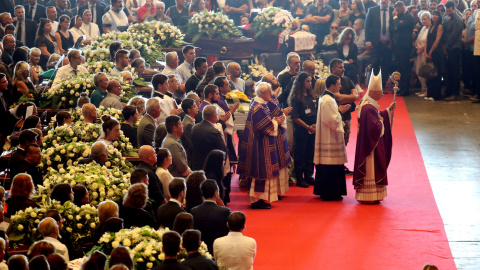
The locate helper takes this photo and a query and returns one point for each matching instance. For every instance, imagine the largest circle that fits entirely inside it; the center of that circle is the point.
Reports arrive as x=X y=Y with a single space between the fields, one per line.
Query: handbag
x=428 y=71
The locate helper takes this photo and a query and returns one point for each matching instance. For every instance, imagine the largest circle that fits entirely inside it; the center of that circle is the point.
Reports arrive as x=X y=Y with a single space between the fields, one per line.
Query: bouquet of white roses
x=97 y=55
x=63 y=155
x=256 y=72
x=212 y=25
x=66 y=93
x=98 y=65
x=147 y=46
x=25 y=223
x=321 y=70
x=103 y=183
x=164 y=34
x=144 y=244
x=271 y=20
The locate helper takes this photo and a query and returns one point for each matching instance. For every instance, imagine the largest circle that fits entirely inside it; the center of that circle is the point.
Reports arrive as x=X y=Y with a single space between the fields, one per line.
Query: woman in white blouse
x=77 y=32
x=164 y=159
x=89 y=28
x=420 y=45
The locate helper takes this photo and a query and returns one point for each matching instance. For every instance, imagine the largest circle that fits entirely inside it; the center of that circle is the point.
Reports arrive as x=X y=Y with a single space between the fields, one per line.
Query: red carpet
x=405 y=231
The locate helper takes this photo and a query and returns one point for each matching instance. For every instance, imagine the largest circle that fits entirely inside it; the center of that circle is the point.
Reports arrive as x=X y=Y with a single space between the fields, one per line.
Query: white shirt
x=76 y=33
x=239 y=84
x=235 y=251
x=91 y=30
x=170 y=71
x=165 y=177
x=115 y=19
x=54 y=27
x=385 y=37
x=360 y=40
x=33 y=10
x=67 y=71
x=61 y=248
x=185 y=71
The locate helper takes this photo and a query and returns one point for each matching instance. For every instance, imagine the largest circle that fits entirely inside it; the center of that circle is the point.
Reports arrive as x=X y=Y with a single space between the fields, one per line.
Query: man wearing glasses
x=71 y=70
x=159 y=14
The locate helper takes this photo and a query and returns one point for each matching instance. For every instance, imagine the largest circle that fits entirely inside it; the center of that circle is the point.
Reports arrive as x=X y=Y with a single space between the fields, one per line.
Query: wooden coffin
x=233 y=48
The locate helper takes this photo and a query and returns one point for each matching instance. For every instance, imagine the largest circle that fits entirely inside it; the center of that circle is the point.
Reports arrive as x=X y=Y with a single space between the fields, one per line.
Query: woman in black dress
x=434 y=37
x=131 y=116
x=45 y=42
x=63 y=36
x=304 y=117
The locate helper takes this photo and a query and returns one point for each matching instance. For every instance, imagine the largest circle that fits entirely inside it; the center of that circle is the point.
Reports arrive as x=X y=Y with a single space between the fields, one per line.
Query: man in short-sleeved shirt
x=320 y=17
x=236 y=8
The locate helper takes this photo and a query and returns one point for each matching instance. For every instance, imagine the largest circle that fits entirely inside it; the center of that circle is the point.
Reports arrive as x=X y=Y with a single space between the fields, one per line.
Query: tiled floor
x=448 y=134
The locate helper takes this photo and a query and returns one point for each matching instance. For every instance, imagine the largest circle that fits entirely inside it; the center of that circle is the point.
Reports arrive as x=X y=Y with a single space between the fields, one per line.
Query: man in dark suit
x=62 y=8
x=7 y=118
x=29 y=164
x=191 y=242
x=8 y=43
x=77 y=8
x=25 y=27
x=146 y=127
x=403 y=23
x=10 y=30
x=26 y=138
x=171 y=246
x=98 y=10
x=148 y=159
x=205 y=137
x=35 y=11
x=378 y=30
x=210 y=218
x=167 y=213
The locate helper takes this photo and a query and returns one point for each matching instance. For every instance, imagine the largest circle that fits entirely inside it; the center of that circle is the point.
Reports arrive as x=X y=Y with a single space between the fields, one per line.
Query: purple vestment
x=283 y=151
x=258 y=156
x=368 y=141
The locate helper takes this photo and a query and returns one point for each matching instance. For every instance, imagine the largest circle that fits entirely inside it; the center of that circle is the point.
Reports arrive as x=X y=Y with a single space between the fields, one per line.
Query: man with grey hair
x=99 y=154
x=206 y=136
x=113 y=96
x=101 y=81
x=171 y=61
x=159 y=14
x=71 y=70
x=49 y=229
x=8 y=43
x=258 y=153
x=147 y=126
x=89 y=113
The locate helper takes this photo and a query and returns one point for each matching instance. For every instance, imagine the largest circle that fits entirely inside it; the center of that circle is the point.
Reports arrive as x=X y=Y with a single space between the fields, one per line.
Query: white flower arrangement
x=149 y=49
x=82 y=132
x=61 y=156
x=321 y=70
x=76 y=114
x=102 y=182
x=164 y=34
x=212 y=25
x=271 y=20
x=95 y=65
x=66 y=93
x=144 y=244
x=79 y=223
x=256 y=72
x=96 y=55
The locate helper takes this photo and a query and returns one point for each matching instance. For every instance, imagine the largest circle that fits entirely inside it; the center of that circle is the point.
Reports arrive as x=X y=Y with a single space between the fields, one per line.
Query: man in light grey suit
x=146 y=128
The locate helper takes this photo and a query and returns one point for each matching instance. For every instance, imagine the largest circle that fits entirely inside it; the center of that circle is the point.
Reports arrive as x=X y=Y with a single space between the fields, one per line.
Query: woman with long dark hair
x=304 y=117
x=63 y=36
x=358 y=12
x=45 y=42
x=213 y=168
x=434 y=54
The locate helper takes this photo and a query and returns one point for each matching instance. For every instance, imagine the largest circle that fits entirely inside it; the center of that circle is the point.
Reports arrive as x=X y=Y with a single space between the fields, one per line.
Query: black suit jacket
x=373 y=25
x=15 y=159
x=197 y=261
x=155 y=188
x=205 y=138
x=171 y=265
x=402 y=34
x=32 y=169
x=40 y=12
x=167 y=213
x=7 y=6
x=30 y=29
x=211 y=220
x=135 y=217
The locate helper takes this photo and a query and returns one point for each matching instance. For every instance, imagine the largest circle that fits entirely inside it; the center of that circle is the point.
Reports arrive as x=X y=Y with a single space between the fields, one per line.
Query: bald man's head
x=147 y=154
x=48 y=227
x=89 y=113
x=234 y=70
x=309 y=67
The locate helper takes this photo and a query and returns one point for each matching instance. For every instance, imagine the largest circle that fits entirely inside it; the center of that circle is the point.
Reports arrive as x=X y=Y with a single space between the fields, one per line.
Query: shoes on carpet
x=302 y=184
x=347 y=171
x=279 y=197
x=429 y=98
x=451 y=98
x=261 y=205
x=310 y=180
x=423 y=95
x=476 y=101
x=475 y=97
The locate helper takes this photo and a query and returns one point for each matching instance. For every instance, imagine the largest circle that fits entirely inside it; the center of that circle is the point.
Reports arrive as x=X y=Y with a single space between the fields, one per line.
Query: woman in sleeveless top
x=63 y=36
x=178 y=13
x=435 y=55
